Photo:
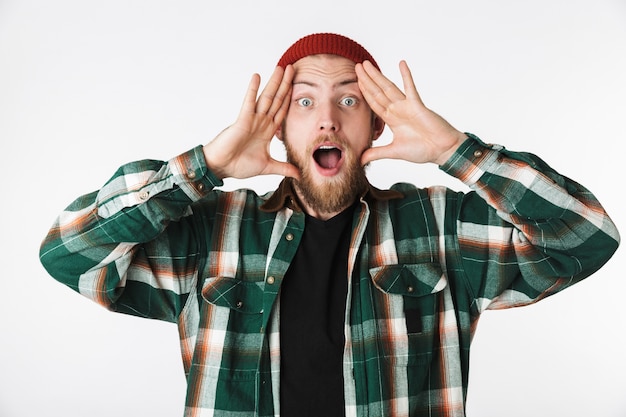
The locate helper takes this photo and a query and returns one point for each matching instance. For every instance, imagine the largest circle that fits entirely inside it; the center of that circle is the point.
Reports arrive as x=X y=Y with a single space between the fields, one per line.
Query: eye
x=348 y=101
x=304 y=102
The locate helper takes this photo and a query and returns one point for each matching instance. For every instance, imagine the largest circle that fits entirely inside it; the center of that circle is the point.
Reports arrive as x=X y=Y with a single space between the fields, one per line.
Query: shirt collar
x=285 y=196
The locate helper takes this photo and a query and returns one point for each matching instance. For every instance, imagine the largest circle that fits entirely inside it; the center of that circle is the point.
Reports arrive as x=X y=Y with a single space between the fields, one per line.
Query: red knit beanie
x=325 y=43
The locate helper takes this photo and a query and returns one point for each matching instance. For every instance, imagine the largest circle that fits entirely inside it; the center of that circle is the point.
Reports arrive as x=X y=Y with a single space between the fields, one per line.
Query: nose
x=328 y=118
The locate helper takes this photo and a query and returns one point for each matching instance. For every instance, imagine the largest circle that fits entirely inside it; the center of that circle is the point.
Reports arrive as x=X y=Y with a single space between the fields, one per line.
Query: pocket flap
x=413 y=280
x=242 y=296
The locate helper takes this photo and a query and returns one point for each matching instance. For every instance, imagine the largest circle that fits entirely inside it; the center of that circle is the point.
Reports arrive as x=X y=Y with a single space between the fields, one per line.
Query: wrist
x=212 y=161
x=455 y=142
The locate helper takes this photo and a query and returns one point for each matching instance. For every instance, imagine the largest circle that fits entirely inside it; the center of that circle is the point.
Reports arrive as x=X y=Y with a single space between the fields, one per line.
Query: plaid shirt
x=159 y=241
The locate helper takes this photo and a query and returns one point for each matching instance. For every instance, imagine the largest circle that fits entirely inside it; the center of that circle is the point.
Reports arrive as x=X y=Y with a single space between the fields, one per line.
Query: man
x=328 y=296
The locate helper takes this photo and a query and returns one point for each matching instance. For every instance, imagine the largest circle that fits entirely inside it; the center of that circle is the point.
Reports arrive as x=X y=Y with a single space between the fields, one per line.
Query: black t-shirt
x=312 y=309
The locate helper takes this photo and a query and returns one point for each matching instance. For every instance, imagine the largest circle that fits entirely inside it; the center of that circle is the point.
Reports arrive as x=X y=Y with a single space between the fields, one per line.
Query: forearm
x=95 y=241
x=551 y=213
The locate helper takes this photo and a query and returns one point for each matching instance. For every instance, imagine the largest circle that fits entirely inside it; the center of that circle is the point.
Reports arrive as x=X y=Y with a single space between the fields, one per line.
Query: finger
x=386 y=86
x=407 y=81
x=283 y=95
x=265 y=100
x=280 y=114
x=371 y=92
x=249 y=101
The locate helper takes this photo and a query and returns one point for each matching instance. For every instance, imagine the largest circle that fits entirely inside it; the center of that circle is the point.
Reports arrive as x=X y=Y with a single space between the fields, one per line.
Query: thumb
x=375 y=153
x=283 y=168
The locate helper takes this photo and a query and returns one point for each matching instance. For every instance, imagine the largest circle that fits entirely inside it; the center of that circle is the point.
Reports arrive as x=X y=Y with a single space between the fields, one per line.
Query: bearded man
x=329 y=297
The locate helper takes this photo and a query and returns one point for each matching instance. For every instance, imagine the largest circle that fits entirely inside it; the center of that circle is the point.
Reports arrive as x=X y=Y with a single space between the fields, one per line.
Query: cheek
x=293 y=124
x=363 y=123
x=299 y=131
x=361 y=133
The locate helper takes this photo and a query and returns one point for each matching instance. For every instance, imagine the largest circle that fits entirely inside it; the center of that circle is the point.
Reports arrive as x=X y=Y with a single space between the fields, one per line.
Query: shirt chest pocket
x=230 y=323
x=235 y=294
x=407 y=302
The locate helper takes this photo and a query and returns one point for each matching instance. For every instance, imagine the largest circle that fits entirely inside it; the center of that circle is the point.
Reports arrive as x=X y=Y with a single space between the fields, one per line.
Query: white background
x=86 y=86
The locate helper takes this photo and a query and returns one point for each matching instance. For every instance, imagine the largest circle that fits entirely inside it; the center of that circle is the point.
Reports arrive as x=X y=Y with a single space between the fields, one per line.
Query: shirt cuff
x=471 y=160
x=192 y=175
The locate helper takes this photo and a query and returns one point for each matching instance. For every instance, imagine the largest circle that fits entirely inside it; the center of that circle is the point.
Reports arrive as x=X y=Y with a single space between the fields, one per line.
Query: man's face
x=327 y=128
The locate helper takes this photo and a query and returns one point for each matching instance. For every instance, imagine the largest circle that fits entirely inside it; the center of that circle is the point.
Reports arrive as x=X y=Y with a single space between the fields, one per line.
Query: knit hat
x=325 y=43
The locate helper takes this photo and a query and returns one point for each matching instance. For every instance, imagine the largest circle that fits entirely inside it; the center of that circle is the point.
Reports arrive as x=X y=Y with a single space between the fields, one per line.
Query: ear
x=378 y=125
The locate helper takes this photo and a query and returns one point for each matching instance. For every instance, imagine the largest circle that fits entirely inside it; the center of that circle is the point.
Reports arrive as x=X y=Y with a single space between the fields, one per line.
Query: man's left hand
x=419 y=134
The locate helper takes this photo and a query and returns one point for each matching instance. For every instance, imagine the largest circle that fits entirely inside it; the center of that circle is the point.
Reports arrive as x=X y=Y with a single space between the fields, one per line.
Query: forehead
x=324 y=67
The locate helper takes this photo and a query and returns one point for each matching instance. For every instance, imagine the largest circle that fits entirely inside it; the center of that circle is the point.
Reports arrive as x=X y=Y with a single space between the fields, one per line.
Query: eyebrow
x=312 y=84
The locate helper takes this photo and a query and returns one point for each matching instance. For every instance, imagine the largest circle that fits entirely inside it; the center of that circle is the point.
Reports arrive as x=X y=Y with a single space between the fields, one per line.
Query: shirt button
x=144 y=195
x=270 y=280
x=200 y=187
x=478 y=153
x=289 y=237
x=191 y=174
x=239 y=304
x=410 y=289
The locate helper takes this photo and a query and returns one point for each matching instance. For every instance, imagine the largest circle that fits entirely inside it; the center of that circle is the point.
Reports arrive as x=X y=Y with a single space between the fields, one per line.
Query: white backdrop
x=86 y=86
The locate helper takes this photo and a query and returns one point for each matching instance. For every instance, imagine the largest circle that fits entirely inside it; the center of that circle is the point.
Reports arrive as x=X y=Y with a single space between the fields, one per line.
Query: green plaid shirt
x=159 y=241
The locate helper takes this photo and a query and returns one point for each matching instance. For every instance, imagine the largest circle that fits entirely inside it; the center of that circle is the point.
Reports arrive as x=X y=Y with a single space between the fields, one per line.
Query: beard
x=332 y=194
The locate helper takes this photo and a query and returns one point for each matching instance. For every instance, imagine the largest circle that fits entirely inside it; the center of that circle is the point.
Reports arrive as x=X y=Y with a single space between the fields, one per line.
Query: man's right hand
x=242 y=149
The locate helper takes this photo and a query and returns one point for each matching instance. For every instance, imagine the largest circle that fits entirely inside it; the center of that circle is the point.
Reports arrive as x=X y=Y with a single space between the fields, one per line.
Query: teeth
x=326 y=147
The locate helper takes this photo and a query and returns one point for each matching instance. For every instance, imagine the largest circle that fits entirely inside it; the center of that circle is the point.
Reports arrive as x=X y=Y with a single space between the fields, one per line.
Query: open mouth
x=327 y=156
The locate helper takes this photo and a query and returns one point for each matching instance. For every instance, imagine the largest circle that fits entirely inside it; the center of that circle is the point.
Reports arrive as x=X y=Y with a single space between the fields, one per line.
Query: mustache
x=329 y=137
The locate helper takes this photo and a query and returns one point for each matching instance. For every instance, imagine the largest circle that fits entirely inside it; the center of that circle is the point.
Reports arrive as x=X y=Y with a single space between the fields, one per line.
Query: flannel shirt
x=159 y=241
